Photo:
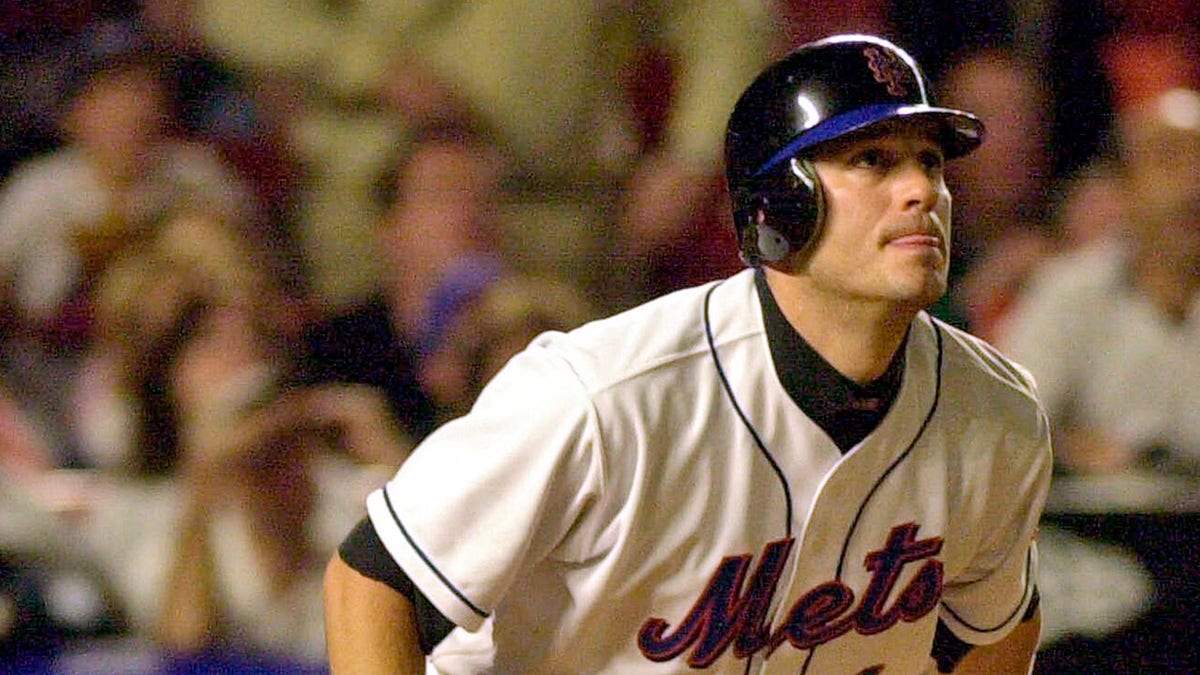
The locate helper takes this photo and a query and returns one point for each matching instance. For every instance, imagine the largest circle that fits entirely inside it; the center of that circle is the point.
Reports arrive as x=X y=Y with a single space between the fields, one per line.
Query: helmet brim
x=959 y=132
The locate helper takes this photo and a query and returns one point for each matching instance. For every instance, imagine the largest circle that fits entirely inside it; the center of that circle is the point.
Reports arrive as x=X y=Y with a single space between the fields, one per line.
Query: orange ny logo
x=888 y=70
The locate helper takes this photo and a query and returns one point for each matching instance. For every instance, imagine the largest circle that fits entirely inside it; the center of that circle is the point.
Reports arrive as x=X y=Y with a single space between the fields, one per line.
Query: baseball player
x=792 y=470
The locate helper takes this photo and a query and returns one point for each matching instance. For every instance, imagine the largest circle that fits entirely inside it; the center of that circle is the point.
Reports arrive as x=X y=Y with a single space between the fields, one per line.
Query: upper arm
x=490 y=495
x=369 y=626
x=986 y=598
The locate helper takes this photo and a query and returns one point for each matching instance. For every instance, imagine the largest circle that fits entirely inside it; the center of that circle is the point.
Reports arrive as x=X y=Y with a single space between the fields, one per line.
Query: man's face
x=446 y=198
x=119 y=118
x=887 y=219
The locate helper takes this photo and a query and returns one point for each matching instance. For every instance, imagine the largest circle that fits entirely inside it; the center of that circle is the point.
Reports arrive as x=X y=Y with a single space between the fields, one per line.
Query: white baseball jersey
x=641 y=495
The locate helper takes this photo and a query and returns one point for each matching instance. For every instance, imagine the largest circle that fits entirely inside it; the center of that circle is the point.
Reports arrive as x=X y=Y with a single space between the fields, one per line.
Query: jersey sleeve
x=991 y=597
x=494 y=492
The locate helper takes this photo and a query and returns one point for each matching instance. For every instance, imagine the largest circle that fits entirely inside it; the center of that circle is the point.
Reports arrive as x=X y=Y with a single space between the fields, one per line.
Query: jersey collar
x=844 y=409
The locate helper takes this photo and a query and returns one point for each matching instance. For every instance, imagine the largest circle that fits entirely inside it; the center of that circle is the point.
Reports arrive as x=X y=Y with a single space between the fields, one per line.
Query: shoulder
x=664 y=334
x=55 y=172
x=199 y=166
x=195 y=155
x=975 y=357
x=1071 y=297
x=990 y=405
x=46 y=191
x=976 y=372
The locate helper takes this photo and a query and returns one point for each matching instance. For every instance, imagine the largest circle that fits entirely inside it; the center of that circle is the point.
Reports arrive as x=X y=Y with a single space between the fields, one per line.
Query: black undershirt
x=363 y=551
x=846 y=410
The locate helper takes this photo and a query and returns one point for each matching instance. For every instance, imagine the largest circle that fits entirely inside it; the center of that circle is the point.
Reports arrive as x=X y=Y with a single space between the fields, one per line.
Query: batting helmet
x=822 y=91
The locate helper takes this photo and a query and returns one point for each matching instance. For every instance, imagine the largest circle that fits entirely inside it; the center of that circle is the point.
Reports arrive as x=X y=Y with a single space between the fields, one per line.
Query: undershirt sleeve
x=365 y=553
x=948 y=649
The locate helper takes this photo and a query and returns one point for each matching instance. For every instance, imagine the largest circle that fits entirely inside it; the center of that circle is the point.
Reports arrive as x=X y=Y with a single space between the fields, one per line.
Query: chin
x=921 y=295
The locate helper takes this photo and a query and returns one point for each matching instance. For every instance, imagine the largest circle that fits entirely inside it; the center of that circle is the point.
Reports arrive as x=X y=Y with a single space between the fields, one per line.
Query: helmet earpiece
x=763 y=243
x=781 y=215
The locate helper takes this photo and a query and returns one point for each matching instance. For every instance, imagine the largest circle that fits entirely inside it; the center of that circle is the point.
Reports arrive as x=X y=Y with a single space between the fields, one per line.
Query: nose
x=919 y=186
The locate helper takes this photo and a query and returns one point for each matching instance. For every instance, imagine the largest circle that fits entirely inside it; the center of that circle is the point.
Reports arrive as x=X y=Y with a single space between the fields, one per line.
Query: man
x=791 y=470
x=1112 y=332
x=65 y=215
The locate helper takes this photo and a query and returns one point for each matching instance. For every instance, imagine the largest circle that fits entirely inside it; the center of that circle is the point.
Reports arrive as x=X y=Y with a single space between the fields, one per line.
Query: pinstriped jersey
x=641 y=495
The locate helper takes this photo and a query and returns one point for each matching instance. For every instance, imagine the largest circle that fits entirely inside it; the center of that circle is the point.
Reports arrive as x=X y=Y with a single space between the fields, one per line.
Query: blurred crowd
x=251 y=253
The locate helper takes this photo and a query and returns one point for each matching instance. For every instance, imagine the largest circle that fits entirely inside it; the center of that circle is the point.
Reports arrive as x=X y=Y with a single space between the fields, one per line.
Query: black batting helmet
x=821 y=91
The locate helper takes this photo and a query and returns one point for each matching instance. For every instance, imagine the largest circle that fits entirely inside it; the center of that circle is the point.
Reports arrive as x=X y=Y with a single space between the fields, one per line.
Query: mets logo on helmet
x=889 y=70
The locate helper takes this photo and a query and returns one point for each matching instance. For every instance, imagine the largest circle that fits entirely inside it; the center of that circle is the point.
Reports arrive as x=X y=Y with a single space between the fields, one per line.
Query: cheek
x=850 y=214
x=944 y=212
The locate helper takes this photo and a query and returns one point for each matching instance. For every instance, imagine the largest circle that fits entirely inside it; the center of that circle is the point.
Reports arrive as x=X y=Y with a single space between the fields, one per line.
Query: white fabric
x=604 y=478
x=1104 y=356
x=46 y=199
x=132 y=529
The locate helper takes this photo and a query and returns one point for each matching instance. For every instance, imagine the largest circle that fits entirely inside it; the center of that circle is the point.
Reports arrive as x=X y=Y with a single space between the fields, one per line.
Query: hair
x=458 y=128
x=157 y=439
x=111 y=48
x=155 y=299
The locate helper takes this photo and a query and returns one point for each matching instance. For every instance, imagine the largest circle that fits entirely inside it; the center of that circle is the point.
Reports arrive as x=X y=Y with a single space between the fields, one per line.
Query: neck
x=859 y=339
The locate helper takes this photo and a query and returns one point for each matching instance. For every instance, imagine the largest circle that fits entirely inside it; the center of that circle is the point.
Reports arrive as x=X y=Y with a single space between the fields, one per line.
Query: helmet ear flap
x=780 y=216
x=760 y=240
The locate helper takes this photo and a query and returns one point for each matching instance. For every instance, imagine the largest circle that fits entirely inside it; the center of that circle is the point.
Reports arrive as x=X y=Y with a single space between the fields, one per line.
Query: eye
x=870 y=158
x=933 y=160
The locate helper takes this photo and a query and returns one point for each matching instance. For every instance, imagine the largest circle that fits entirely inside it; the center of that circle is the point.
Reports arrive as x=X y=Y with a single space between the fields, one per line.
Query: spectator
x=438 y=231
x=1092 y=211
x=55 y=599
x=120 y=171
x=1002 y=221
x=215 y=104
x=552 y=78
x=65 y=215
x=36 y=40
x=221 y=508
x=1112 y=334
x=1107 y=330
x=1064 y=39
x=207 y=101
x=492 y=327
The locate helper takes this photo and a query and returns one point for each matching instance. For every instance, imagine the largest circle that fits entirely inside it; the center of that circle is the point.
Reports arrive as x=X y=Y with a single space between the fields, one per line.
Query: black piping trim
x=412 y=544
x=787 y=491
x=862 y=507
x=712 y=348
x=1005 y=622
x=937 y=394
